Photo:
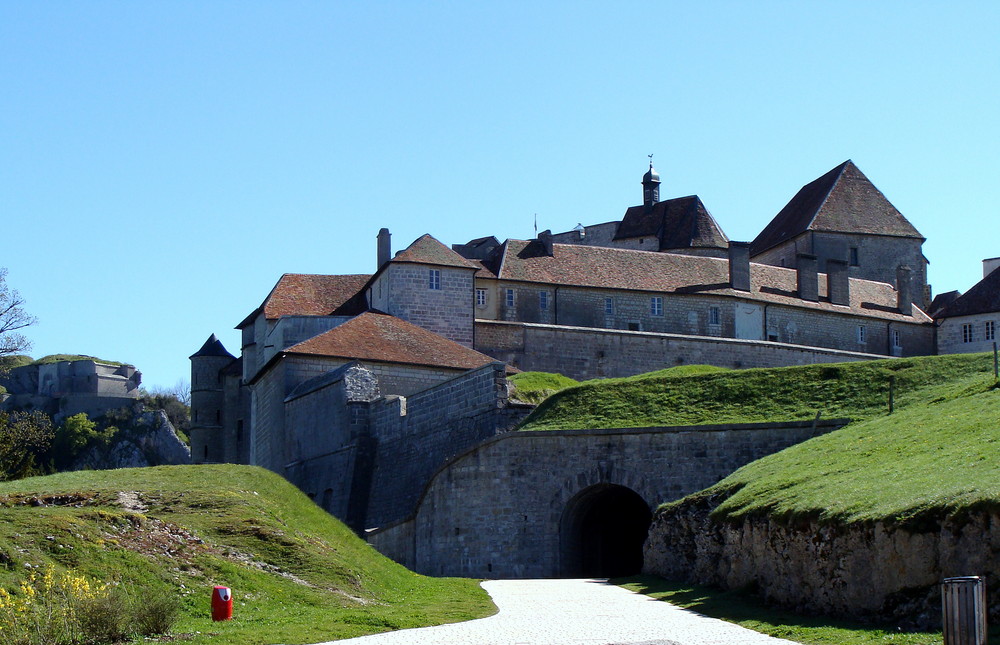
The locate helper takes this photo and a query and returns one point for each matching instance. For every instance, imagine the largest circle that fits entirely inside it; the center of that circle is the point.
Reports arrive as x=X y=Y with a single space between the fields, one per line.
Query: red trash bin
x=222 y=603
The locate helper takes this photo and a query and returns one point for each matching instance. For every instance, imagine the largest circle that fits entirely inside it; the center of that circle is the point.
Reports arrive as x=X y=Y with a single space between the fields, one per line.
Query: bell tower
x=650 y=185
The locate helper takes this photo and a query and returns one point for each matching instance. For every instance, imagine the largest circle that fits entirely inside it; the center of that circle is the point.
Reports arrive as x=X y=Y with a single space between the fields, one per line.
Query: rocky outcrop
x=151 y=441
x=874 y=570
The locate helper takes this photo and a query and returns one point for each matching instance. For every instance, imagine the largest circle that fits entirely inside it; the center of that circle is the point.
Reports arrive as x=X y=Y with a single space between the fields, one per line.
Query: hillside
x=686 y=397
x=298 y=575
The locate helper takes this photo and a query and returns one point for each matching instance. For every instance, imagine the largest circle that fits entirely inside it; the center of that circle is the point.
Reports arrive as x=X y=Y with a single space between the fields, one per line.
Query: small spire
x=650 y=185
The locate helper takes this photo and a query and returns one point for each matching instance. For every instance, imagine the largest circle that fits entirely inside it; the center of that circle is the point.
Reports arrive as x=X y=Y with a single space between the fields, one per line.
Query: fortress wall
x=585 y=353
x=415 y=435
x=495 y=511
x=447 y=311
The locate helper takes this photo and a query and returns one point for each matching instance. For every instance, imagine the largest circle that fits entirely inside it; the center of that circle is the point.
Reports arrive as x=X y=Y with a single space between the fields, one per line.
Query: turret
x=208 y=401
x=650 y=185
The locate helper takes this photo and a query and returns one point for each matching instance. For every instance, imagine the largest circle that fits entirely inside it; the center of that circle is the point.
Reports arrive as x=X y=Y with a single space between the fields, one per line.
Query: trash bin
x=963 y=609
x=222 y=603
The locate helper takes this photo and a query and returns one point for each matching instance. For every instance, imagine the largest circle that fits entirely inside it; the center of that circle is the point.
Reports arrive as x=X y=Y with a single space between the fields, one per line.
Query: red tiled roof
x=380 y=337
x=427 y=250
x=841 y=201
x=610 y=268
x=299 y=294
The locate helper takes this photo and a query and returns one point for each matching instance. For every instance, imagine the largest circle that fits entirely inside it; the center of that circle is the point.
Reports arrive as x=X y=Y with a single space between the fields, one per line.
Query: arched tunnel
x=602 y=531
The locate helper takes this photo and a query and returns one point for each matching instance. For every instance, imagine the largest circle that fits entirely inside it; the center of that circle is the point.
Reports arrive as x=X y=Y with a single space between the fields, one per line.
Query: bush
x=155 y=612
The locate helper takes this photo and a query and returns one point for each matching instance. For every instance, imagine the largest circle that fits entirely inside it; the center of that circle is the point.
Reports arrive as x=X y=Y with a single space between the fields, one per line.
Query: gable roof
x=679 y=223
x=624 y=269
x=982 y=298
x=299 y=294
x=841 y=201
x=427 y=250
x=387 y=339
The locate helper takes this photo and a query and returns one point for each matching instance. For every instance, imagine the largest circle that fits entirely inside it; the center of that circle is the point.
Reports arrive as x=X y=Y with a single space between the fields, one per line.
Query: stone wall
x=403 y=290
x=860 y=571
x=496 y=510
x=584 y=353
x=952 y=341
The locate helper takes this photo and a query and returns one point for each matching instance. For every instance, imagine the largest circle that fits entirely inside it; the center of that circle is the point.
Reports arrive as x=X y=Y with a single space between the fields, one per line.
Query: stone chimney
x=545 y=237
x=739 y=265
x=384 y=246
x=990 y=265
x=838 y=282
x=904 y=290
x=808 y=276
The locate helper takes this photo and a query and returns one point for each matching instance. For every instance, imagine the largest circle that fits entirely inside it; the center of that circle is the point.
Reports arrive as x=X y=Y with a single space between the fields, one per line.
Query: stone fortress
x=65 y=388
x=385 y=398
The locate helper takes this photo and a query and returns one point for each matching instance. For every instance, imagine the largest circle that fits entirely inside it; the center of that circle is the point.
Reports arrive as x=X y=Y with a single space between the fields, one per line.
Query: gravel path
x=565 y=612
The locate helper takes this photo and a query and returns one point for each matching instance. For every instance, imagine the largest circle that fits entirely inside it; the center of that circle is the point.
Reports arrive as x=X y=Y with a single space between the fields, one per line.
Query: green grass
x=924 y=462
x=856 y=390
x=534 y=387
x=298 y=575
x=749 y=611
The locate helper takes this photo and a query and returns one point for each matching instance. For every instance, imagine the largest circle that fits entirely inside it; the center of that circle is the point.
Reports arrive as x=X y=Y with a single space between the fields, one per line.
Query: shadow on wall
x=602 y=532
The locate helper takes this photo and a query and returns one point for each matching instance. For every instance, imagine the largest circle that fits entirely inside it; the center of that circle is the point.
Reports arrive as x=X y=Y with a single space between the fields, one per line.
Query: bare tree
x=12 y=319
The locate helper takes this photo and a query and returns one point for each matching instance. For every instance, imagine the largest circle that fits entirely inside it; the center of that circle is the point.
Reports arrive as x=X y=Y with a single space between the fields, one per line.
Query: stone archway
x=601 y=532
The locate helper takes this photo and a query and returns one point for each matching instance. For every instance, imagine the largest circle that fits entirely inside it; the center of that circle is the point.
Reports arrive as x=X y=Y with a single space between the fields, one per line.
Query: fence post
x=963 y=609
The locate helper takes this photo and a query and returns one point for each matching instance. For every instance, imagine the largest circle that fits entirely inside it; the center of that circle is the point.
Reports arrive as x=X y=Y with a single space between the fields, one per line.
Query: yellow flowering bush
x=61 y=609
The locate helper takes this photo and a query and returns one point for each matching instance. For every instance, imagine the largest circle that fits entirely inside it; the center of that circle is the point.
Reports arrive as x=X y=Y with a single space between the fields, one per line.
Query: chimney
x=739 y=265
x=838 y=282
x=384 y=247
x=545 y=237
x=990 y=265
x=904 y=297
x=808 y=276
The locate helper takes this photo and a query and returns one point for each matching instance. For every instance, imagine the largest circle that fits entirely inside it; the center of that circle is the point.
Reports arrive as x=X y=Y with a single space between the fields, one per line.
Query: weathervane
x=650 y=160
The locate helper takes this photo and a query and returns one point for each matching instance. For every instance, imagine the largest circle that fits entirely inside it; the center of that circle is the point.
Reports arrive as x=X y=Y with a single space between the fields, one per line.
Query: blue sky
x=162 y=164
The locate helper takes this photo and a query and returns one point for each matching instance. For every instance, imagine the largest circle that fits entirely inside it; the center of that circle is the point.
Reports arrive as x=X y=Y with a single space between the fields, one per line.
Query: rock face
x=869 y=571
x=151 y=442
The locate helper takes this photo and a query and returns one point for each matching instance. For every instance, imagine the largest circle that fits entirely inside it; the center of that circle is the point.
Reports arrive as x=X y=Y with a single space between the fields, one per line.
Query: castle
x=357 y=388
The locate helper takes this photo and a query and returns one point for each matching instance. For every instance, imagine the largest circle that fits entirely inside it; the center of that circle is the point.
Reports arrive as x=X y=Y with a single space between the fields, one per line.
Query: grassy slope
x=856 y=390
x=298 y=575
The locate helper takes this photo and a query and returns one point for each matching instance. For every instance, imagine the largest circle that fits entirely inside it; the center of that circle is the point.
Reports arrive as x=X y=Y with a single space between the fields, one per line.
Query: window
x=854 y=256
x=609 y=306
x=714 y=318
x=967 y=333
x=896 y=342
x=435 y=280
x=990 y=332
x=481 y=297
x=543 y=300
x=510 y=297
x=861 y=333
x=656 y=306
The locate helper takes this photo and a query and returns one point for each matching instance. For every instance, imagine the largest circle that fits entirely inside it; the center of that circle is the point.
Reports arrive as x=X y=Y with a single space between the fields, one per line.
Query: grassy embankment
x=298 y=575
x=936 y=455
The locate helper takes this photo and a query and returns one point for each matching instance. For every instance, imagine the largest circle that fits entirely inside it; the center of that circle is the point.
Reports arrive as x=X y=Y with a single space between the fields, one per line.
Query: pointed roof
x=841 y=201
x=427 y=250
x=212 y=347
x=387 y=339
x=982 y=298
x=300 y=294
x=679 y=223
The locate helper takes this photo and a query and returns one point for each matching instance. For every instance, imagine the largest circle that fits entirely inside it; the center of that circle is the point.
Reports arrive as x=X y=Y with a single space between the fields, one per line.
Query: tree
x=23 y=436
x=13 y=318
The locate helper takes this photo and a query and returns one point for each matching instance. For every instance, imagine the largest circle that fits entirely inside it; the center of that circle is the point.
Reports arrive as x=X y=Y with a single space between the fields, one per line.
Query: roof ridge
x=833 y=184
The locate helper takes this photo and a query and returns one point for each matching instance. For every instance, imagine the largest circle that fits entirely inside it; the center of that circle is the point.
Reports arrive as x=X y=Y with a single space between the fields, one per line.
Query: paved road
x=567 y=612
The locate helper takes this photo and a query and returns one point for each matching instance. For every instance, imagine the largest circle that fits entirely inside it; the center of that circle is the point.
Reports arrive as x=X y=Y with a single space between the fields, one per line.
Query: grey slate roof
x=679 y=223
x=841 y=201
x=982 y=298
x=212 y=347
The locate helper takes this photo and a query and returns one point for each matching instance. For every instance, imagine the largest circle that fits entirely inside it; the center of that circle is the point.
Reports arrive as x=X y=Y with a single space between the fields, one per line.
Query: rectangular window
x=481 y=297
x=896 y=342
x=854 y=256
x=435 y=280
x=990 y=330
x=656 y=306
x=861 y=333
x=543 y=300
x=967 y=333
x=609 y=306
x=510 y=297
x=714 y=318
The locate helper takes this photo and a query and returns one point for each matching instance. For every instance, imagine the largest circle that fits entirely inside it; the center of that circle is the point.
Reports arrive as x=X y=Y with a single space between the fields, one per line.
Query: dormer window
x=435 y=279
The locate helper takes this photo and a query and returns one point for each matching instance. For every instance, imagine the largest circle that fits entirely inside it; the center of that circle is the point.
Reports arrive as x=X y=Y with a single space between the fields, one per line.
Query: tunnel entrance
x=602 y=532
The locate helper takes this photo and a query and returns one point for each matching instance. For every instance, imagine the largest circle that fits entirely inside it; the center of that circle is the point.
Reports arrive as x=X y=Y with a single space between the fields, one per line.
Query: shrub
x=155 y=611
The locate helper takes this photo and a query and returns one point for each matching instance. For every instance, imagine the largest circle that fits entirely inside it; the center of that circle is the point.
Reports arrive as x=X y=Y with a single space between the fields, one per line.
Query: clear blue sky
x=162 y=164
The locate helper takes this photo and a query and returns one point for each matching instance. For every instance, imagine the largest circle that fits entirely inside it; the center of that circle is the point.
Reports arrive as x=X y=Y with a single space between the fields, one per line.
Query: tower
x=650 y=185
x=208 y=401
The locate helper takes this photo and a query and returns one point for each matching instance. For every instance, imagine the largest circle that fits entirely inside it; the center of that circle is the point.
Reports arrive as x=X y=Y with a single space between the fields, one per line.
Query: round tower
x=650 y=185
x=208 y=401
